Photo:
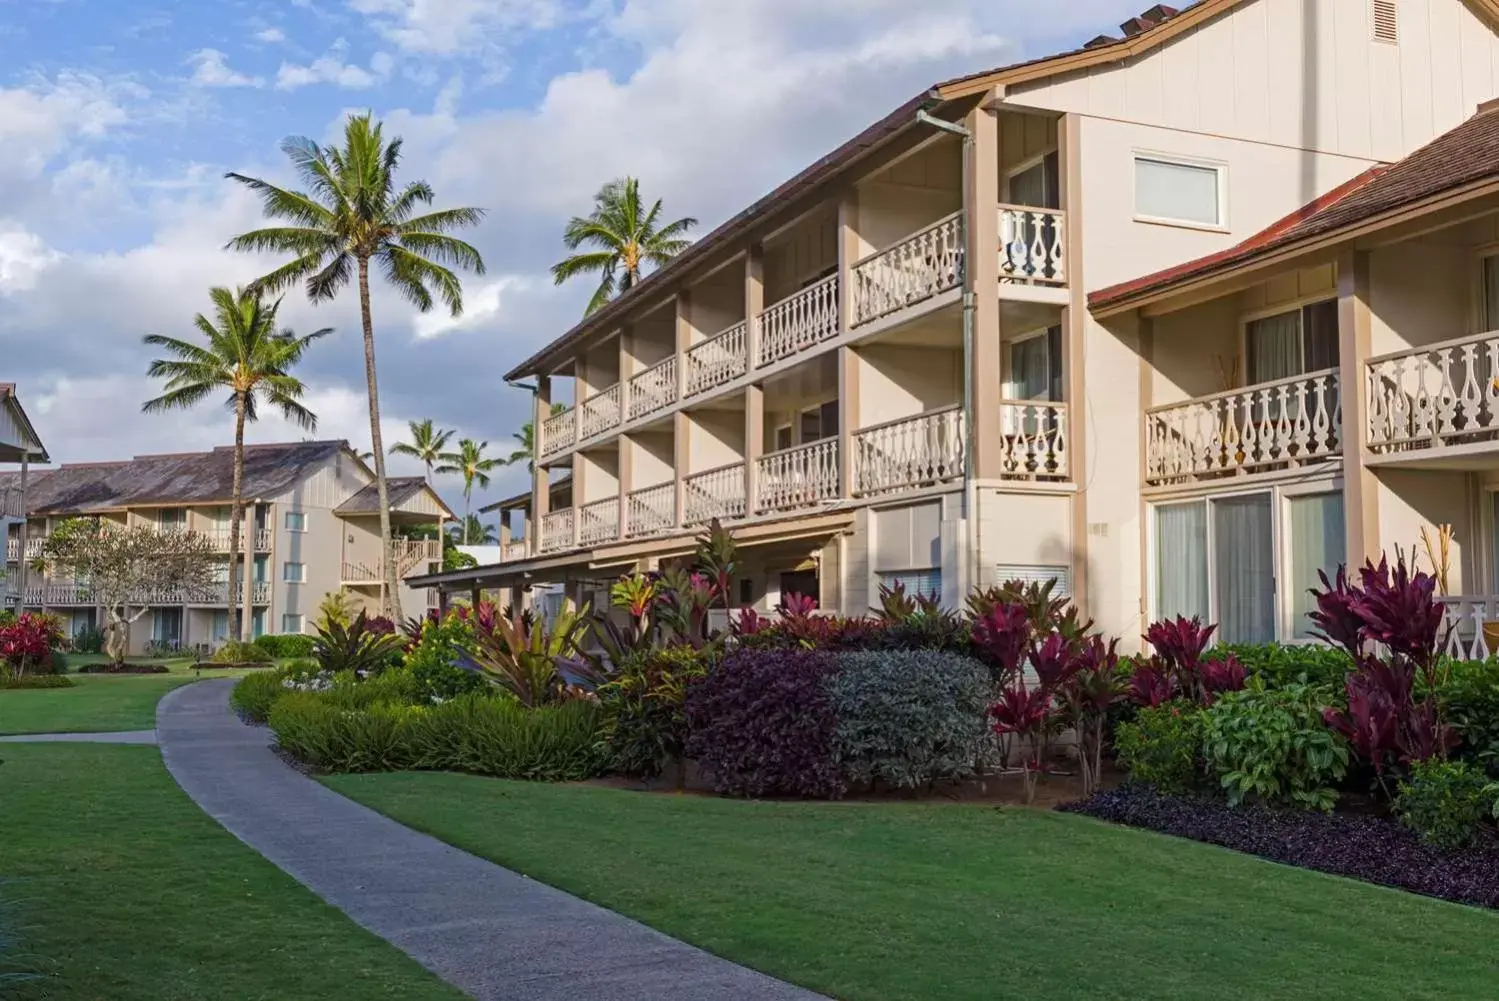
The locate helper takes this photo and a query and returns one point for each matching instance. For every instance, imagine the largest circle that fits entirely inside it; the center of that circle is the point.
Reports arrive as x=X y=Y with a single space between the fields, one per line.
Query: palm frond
x=445 y=250
x=417 y=279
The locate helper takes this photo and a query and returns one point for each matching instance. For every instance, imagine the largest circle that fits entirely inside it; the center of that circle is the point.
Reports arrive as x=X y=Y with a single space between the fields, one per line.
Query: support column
x=850 y=249
x=541 y=484
x=981 y=293
x=683 y=340
x=681 y=462
x=849 y=364
x=626 y=482
x=580 y=474
x=1360 y=485
x=475 y=595
x=754 y=304
x=1074 y=335
x=626 y=369
x=754 y=445
x=22 y=569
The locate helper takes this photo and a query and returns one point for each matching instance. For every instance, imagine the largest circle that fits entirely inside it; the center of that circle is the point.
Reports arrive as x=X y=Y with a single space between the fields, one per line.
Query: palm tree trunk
x=467 y=494
x=239 y=627
x=390 y=605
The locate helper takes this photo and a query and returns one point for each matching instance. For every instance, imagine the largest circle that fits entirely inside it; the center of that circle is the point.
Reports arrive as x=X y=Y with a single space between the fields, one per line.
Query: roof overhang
x=32 y=450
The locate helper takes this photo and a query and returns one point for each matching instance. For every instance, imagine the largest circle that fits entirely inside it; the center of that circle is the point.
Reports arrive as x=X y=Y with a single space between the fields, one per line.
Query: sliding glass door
x=1244 y=569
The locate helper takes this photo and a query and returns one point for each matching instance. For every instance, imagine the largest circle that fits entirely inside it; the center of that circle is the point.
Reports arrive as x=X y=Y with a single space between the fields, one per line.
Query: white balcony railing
x=598 y=522
x=513 y=550
x=800 y=477
x=799 y=321
x=1032 y=245
x=82 y=594
x=12 y=503
x=601 y=411
x=922 y=265
x=1285 y=423
x=34 y=546
x=1033 y=440
x=715 y=493
x=1436 y=395
x=557 y=531
x=558 y=432
x=1474 y=622
x=651 y=510
x=654 y=389
x=719 y=359
x=910 y=452
x=58 y=594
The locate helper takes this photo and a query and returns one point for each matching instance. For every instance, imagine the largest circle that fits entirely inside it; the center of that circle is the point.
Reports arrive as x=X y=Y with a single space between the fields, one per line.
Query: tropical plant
x=525 y=449
x=536 y=663
x=1446 y=801
x=473 y=530
x=645 y=725
x=27 y=645
x=624 y=237
x=1088 y=694
x=474 y=466
x=356 y=647
x=426 y=445
x=1271 y=744
x=1162 y=746
x=352 y=216
x=337 y=607
x=243 y=355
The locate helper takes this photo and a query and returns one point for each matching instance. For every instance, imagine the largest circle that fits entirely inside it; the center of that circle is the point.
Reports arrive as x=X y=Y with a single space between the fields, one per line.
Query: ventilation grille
x=1006 y=572
x=1384 y=20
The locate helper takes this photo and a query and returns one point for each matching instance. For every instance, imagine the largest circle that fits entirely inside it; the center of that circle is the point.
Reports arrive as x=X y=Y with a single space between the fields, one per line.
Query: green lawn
x=125 y=890
x=932 y=901
x=97 y=702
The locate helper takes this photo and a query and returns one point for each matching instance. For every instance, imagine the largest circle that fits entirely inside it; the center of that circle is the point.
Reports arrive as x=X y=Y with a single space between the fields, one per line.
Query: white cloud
x=270 y=36
x=23 y=257
x=333 y=69
x=211 y=69
x=445 y=27
x=482 y=308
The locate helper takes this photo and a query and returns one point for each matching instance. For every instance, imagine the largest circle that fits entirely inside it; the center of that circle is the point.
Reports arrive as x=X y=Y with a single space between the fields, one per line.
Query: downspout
x=970 y=487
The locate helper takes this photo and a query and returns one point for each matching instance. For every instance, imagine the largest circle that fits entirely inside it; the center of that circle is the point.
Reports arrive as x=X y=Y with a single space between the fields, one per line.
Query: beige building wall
x=651 y=459
x=716 y=439
x=798 y=257
x=898 y=381
x=1410 y=499
x=908 y=195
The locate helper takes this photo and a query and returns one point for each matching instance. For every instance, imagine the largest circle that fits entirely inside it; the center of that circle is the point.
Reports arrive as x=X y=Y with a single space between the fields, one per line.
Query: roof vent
x=1100 y=40
x=1384 y=20
x=1147 y=20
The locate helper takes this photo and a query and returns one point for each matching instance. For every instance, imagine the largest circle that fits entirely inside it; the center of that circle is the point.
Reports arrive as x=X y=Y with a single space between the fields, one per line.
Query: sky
x=119 y=119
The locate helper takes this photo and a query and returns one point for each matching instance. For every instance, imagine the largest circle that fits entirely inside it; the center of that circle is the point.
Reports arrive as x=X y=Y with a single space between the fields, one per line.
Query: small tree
x=127 y=570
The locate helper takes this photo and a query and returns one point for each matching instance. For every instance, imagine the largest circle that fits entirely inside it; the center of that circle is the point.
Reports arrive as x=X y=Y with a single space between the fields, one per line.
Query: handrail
x=1420 y=349
x=1251 y=388
x=916 y=234
x=911 y=417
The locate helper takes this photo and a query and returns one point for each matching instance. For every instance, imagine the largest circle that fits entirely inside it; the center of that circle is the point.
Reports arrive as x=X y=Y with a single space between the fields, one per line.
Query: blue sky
x=118 y=120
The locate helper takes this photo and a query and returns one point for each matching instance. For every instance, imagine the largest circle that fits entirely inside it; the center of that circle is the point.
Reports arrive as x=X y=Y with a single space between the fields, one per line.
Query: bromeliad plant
x=537 y=664
x=356 y=647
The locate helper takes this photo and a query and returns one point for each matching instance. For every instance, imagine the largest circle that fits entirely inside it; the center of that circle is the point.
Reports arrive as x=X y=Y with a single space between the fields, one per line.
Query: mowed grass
x=876 y=902
x=97 y=702
x=125 y=890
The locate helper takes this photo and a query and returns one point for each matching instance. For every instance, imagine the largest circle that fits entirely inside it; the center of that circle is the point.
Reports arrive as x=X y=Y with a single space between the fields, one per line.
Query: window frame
x=881 y=575
x=301 y=624
x=1299 y=306
x=286 y=521
x=1219 y=167
x=286 y=566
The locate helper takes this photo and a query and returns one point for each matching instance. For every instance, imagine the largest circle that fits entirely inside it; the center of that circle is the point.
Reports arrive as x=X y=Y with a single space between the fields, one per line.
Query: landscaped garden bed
x=123 y=667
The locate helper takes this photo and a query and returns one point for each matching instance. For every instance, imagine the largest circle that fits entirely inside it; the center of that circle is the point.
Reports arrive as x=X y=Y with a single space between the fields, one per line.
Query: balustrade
x=922 y=265
x=558 y=432
x=1033 y=443
x=651 y=510
x=799 y=321
x=719 y=359
x=804 y=476
x=557 y=531
x=1032 y=245
x=601 y=411
x=910 y=452
x=654 y=389
x=1436 y=395
x=715 y=493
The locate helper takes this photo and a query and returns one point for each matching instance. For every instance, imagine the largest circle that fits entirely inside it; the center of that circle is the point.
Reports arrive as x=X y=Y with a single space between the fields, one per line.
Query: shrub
x=331 y=738
x=1280 y=664
x=254 y=694
x=644 y=724
x=1445 y=801
x=355 y=647
x=501 y=738
x=1273 y=745
x=907 y=718
x=239 y=652
x=36 y=681
x=539 y=664
x=349 y=691
x=433 y=661
x=1469 y=696
x=762 y=724
x=88 y=640
x=1161 y=745
x=285 y=646
x=27 y=645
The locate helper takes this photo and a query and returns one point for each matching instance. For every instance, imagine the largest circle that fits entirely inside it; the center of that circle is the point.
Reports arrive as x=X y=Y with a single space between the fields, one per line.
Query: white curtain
x=1244 y=569
x=1181 y=560
x=1317 y=543
x=1274 y=345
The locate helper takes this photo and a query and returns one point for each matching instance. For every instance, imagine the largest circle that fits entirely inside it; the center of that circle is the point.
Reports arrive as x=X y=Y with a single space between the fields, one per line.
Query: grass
x=878 y=902
x=126 y=890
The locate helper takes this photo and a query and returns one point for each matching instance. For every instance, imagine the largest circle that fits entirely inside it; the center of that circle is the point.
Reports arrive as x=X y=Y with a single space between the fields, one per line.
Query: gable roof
x=35 y=450
x=1467 y=157
x=160 y=480
x=399 y=489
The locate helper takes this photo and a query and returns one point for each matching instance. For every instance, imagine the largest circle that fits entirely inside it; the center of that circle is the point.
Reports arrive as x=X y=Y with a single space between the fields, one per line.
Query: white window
x=1178 y=191
x=917 y=583
x=294 y=573
x=292 y=623
x=296 y=521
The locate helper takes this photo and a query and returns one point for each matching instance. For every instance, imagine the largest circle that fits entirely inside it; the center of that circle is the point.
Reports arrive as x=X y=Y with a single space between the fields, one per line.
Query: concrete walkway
x=485 y=929
x=121 y=737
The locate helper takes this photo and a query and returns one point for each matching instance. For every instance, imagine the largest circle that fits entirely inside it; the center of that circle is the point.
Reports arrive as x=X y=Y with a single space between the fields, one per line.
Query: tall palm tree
x=241 y=351
x=474 y=531
x=624 y=236
x=525 y=450
x=426 y=445
x=351 y=216
x=474 y=466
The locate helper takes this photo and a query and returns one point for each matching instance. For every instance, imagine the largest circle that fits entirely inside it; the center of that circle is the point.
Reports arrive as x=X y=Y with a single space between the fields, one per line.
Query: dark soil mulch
x=111 y=668
x=1362 y=846
x=209 y=665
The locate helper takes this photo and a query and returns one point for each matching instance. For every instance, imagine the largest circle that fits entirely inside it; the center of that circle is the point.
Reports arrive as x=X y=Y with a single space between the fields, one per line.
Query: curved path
x=485 y=929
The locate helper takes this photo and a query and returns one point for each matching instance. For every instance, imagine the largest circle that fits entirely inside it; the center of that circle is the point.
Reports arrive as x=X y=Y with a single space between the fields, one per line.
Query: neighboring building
x=311 y=526
x=887 y=370
x=19 y=445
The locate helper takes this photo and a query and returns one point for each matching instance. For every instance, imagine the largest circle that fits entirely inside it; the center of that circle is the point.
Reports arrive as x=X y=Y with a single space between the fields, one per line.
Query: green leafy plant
x=355 y=647
x=284 y=646
x=644 y=725
x=254 y=694
x=1281 y=664
x=1445 y=801
x=434 y=662
x=237 y=652
x=1469 y=696
x=1272 y=745
x=337 y=607
x=88 y=640
x=36 y=681
x=497 y=737
x=330 y=738
x=536 y=663
x=1162 y=746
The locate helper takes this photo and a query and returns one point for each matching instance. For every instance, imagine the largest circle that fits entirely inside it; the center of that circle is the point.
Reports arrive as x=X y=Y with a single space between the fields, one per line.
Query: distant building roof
x=400 y=489
x=159 y=480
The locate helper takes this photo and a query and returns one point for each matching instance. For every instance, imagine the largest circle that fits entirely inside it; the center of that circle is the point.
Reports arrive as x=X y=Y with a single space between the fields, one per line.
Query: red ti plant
x=28 y=642
x=1090 y=689
x=1151 y=685
x=1179 y=643
x=1024 y=712
x=1219 y=676
x=1001 y=637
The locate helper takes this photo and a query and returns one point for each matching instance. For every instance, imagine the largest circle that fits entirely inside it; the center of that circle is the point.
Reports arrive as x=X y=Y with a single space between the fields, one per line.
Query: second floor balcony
x=63 y=594
x=1437 y=397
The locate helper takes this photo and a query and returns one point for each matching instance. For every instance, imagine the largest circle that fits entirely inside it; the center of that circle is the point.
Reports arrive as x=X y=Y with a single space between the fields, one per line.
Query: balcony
x=800 y=321
x=1033 y=444
x=715 y=493
x=653 y=389
x=513 y=550
x=1032 y=246
x=918 y=268
x=1285 y=424
x=800 y=477
x=1439 y=396
x=81 y=594
x=911 y=452
x=558 y=432
x=407 y=553
x=650 y=511
x=598 y=522
x=600 y=412
x=720 y=359
x=557 y=531
x=33 y=548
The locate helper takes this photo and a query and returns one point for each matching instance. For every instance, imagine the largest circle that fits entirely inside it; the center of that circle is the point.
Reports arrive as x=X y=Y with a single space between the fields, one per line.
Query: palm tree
x=241 y=352
x=426 y=444
x=473 y=530
x=474 y=466
x=354 y=215
x=525 y=450
x=625 y=237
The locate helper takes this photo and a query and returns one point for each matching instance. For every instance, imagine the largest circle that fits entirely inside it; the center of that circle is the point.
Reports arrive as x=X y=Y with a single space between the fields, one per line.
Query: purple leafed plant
x=1179 y=644
x=1151 y=684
